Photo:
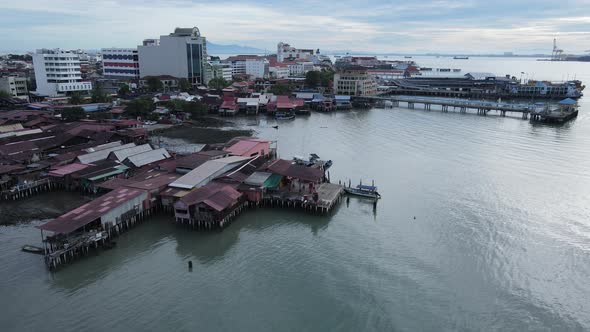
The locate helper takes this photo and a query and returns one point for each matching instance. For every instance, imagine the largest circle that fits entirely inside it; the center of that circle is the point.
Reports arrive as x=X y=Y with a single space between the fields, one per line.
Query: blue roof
x=342 y=97
x=567 y=101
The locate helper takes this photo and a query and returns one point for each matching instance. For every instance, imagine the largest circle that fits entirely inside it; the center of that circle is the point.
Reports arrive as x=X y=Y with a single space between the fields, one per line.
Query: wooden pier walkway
x=481 y=106
x=27 y=189
x=328 y=195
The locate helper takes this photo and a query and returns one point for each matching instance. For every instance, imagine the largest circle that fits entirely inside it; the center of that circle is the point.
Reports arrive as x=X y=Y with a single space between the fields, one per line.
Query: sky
x=419 y=26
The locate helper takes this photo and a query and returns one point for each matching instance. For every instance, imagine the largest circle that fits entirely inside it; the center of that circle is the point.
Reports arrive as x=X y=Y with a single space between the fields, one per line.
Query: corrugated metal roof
x=124 y=153
x=101 y=154
x=257 y=178
x=148 y=157
x=201 y=175
x=67 y=169
x=103 y=146
x=91 y=211
x=11 y=127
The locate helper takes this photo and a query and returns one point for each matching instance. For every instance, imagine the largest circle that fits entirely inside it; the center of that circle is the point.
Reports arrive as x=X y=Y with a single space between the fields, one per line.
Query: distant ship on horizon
x=456 y=57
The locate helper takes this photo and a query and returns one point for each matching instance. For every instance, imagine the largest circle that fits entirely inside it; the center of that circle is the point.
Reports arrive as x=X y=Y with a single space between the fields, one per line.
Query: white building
x=286 y=52
x=182 y=54
x=257 y=68
x=15 y=86
x=279 y=70
x=122 y=63
x=300 y=68
x=57 y=73
x=220 y=69
x=354 y=81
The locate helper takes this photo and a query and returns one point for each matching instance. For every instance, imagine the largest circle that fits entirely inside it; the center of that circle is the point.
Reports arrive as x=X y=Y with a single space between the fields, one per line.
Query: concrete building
x=257 y=68
x=279 y=70
x=354 y=81
x=121 y=63
x=181 y=54
x=286 y=52
x=220 y=69
x=15 y=86
x=57 y=73
x=299 y=68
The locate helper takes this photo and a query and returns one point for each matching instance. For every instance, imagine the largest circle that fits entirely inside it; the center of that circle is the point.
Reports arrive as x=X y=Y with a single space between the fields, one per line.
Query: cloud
x=467 y=26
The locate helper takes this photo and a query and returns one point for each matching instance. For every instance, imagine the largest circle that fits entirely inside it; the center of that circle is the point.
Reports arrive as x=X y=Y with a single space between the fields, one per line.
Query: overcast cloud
x=466 y=26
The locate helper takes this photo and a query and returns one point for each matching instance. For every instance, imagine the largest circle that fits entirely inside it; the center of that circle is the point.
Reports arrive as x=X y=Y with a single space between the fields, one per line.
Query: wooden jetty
x=328 y=195
x=27 y=189
x=481 y=106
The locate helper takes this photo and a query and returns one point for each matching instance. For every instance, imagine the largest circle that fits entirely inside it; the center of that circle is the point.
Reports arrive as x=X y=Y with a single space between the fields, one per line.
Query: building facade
x=286 y=52
x=354 y=81
x=218 y=69
x=15 y=86
x=121 y=63
x=181 y=54
x=257 y=68
x=57 y=73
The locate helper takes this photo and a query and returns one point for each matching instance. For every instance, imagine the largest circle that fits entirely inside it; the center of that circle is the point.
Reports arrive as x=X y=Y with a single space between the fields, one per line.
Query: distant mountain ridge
x=214 y=49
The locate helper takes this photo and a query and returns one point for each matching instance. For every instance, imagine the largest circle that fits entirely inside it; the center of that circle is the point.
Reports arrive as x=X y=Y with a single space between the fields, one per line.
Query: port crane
x=557 y=54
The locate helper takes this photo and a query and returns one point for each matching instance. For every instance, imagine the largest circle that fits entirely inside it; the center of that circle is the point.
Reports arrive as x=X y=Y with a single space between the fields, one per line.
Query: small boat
x=284 y=116
x=460 y=57
x=275 y=127
x=363 y=191
x=32 y=249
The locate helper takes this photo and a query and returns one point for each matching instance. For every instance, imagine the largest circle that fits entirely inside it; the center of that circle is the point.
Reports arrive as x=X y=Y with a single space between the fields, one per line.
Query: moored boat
x=284 y=116
x=363 y=191
x=32 y=249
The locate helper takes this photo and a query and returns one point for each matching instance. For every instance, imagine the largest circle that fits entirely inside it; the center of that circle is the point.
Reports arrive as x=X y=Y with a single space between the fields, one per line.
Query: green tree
x=154 y=84
x=184 y=85
x=140 y=107
x=98 y=95
x=176 y=105
x=73 y=114
x=313 y=78
x=196 y=108
x=326 y=77
x=218 y=83
x=280 y=89
x=5 y=94
x=124 y=90
x=76 y=99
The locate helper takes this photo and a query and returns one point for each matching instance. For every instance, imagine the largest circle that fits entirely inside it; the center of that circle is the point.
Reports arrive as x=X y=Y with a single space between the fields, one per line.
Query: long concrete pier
x=481 y=106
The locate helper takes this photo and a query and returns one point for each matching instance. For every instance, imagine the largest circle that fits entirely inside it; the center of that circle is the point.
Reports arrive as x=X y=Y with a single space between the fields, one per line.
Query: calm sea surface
x=500 y=239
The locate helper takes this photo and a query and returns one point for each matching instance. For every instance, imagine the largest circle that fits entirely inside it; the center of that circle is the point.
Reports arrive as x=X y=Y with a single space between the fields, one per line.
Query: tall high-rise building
x=122 y=63
x=57 y=73
x=181 y=54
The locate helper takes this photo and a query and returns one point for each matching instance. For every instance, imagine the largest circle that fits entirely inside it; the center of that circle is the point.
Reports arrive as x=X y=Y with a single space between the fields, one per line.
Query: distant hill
x=215 y=49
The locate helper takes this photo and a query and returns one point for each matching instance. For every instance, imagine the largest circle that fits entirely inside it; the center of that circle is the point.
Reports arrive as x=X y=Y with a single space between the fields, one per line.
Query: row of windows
x=75 y=87
x=60 y=58
x=121 y=71
x=119 y=64
x=62 y=70
x=120 y=57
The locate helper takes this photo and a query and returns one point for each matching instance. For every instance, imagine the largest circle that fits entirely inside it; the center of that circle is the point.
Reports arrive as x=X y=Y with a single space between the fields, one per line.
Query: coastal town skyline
x=469 y=27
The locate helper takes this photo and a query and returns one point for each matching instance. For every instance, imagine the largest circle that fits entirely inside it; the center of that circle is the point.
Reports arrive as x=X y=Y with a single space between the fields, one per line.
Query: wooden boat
x=32 y=249
x=363 y=191
x=284 y=116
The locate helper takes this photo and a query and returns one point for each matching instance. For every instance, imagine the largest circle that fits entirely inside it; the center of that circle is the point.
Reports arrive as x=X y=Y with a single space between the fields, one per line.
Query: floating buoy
x=190 y=265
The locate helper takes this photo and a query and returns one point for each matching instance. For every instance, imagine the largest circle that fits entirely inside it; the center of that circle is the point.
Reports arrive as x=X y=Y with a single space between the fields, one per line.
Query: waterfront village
x=86 y=123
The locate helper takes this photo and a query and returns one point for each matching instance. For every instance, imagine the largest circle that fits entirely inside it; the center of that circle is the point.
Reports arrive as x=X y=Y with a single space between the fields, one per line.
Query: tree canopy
x=218 y=83
x=73 y=114
x=76 y=99
x=98 y=95
x=140 y=107
x=5 y=94
x=194 y=108
x=124 y=90
x=280 y=89
x=313 y=78
x=184 y=85
x=154 y=84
